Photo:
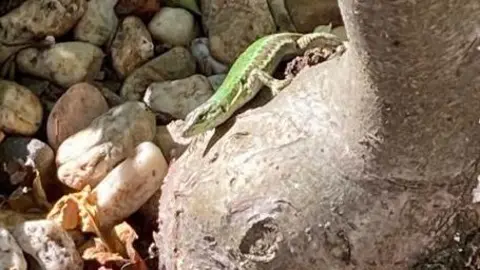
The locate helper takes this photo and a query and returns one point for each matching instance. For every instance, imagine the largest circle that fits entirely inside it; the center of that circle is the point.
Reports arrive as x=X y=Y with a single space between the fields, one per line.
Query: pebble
x=206 y=63
x=131 y=47
x=86 y=157
x=173 y=26
x=49 y=244
x=177 y=63
x=80 y=104
x=127 y=187
x=178 y=97
x=11 y=255
x=216 y=80
x=20 y=110
x=65 y=63
x=98 y=23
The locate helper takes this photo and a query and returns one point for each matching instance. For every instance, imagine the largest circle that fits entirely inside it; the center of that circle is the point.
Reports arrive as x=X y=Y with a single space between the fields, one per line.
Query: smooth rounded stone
x=307 y=14
x=206 y=63
x=177 y=63
x=178 y=97
x=38 y=18
x=21 y=25
x=20 y=110
x=112 y=98
x=49 y=244
x=74 y=111
x=171 y=148
x=98 y=23
x=216 y=80
x=323 y=28
x=281 y=16
x=11 y=255
x=232 y=28
x=86 y=157
x=64 y=63
x=31 y=151
x=340 y=32
x=131 y=47
x=173 y=26
x=129 y=185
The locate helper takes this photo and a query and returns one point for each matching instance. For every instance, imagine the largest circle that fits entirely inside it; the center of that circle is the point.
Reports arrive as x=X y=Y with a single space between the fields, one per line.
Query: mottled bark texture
x=366 y=161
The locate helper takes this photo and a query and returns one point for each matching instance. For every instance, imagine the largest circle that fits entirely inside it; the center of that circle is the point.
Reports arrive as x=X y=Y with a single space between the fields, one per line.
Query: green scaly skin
x=251 y=71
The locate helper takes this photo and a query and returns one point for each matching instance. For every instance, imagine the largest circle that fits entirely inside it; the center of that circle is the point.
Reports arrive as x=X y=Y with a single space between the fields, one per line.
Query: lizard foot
x=275 y=85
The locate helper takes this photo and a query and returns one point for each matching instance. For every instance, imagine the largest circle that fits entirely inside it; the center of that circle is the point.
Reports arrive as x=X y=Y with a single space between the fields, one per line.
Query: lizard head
x=202 y=119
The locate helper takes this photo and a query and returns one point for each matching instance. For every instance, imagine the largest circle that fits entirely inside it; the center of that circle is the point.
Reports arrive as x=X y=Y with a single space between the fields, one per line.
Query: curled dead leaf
x=97 y=254
x=76 y=211
x=29 y=197
x=38 y=192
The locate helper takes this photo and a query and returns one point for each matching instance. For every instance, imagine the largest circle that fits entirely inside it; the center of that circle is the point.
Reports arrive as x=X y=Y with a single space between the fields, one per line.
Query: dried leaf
x=97 y=253
x=28 y=199
x=113 y=248
x=39 y=193
x=21 y=200
x=127 y=236
x=97 y=250
x=76 y=211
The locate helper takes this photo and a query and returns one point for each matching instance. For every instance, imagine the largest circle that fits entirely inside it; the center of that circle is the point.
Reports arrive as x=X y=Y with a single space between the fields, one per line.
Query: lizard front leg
x=275 y=85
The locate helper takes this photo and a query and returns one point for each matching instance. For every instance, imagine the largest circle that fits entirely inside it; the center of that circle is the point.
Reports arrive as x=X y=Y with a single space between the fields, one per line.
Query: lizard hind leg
x=275 y=85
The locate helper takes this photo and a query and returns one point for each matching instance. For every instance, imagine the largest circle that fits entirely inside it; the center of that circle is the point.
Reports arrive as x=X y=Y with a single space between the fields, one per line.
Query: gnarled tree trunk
x=366 y=161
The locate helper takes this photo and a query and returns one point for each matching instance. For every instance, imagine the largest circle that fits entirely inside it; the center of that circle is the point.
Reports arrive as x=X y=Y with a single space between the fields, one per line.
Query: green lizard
x=251 y=71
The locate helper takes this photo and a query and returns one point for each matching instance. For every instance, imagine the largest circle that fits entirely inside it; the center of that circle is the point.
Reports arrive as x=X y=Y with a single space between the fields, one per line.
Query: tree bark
x=366 y=161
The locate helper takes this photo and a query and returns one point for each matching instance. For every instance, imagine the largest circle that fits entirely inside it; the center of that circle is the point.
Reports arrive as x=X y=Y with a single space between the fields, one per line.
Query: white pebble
x=178 y=97
x=11 y=255
x=49 y=244
x=173 y=26
x=127 y=187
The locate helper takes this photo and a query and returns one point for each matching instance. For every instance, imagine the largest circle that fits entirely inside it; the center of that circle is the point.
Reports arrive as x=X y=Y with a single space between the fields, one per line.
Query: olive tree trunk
x=366 y=161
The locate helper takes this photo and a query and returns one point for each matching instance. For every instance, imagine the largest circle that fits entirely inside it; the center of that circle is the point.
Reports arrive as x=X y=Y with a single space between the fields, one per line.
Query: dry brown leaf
x=76 y=211
x=112 y=249
x=39 y=193
x=28 y=198
x=97 y=250
x=21 y=200
x=98 y=254
x=127 y=236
